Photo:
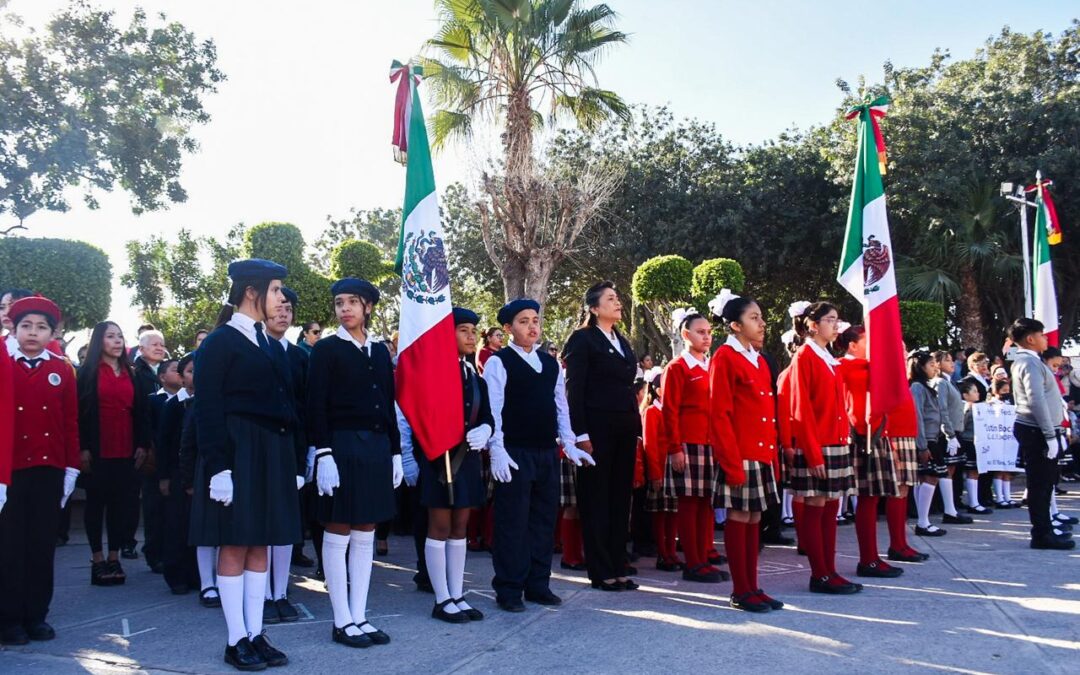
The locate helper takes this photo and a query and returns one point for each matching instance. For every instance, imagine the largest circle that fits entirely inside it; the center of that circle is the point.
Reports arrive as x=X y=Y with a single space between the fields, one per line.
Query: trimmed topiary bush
x=713 y=275
x=357 y=258
x=75 y=275
x=665 y=278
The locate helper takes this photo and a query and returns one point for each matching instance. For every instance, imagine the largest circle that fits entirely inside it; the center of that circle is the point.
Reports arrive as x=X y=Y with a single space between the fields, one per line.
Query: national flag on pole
x=428 y=376
x=867 y=268
x=1046 y=310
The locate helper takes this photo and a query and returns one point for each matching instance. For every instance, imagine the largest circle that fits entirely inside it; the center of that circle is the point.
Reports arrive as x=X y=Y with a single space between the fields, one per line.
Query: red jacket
x=652 y=425
x=7 y=413
x=743 y=419
x=686 y=405
x=46 y=415
x=817 y=398
x=784 y=421
x=856 y=376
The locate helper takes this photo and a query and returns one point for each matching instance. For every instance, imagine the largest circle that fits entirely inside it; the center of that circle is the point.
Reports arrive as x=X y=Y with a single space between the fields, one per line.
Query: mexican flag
x=867 y=268
x=428 y=377
x=1047 y=232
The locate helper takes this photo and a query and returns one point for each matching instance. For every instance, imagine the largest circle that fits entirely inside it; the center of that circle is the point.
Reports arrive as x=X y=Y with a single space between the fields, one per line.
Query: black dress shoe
x=301 y=560
x=823 y=585
x=1062 y=527
x=667 y=565
x=717 y=559
x=749 y=602
x=1068 y=520
x=607 y=586
x=470 y=611
x=778 y=540
x=360 y=641
x=514 y=605
x=273 y=656
x=270 y=613
x=629 y=585
x=701 y=575
x=545 y=597
x=207 y=600
x=14 y=635
x=128 y=553
x=40 y=631
x=243 y=656
x=981 y=510
x=878 y=569
x=439 y=612
x=1053 y=543
x=376 y=635
x=773 y=603
x=423 y=585
x=575 y=567
x=630 y=571
x=930 y=531
x=286 y=611
x=957 y=519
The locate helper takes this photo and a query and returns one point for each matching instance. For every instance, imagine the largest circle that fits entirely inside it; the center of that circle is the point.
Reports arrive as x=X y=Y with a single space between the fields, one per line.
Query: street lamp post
x=1019 y=198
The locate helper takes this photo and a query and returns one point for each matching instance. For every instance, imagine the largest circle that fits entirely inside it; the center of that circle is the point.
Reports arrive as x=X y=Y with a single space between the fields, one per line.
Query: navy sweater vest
x=528 y=414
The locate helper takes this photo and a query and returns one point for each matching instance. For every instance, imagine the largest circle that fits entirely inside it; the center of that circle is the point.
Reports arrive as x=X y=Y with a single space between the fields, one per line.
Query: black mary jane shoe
x=99 y=574
x=270 y=613
x=1067 y=520
x=981 y=510
x=286 y=611
x=823 y=585
x=361 y=641
x=439 y=612
x=606 y=586
x=958 y=519
x=14 y=636
x=243 y=656
x=932 y=531
x=749 y=602
x=273 y=656
x=573 y=567
x=207 y=600
x=701 y=574
x=545 y=597
x=376 y=635
x=878 y=570
x=668 y=565
x=39 y=631
x=473 y=613
x=717 y=559
x=772 y=602
x=629 y=585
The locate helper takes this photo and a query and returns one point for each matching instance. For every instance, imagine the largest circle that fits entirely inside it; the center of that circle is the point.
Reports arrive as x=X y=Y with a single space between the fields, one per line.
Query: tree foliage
x=712 y=276
x=75 y=275
x=922 y=323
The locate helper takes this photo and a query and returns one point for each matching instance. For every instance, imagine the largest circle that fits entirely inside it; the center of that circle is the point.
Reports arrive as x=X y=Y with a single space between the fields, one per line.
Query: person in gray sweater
x=930 y=441
x=952 y=421
x=1038 y=430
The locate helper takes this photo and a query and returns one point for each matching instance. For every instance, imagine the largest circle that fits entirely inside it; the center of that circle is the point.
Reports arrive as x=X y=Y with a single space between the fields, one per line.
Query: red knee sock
x=753 y=542
x=800 y=520
x=896 y=517
x=828 y=535
x=671 y=527
x=688 y=531
x=735 y=546
x=811 y=539
x=706 y=521
x=866 y=529
x=572 y=552
x=659 y=529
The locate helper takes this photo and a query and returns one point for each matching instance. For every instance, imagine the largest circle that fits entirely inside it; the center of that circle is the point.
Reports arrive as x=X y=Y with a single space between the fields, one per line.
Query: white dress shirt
x=613 y=338
x=17 y=354
x=495 y=377
x=246 y=325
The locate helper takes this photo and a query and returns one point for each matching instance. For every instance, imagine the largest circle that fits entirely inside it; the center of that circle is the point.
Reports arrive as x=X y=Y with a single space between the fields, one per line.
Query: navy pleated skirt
x=365 y=467
x=469 y=489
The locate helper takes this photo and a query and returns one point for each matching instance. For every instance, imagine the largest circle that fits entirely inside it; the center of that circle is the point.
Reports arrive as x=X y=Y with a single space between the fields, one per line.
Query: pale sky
x=301 y=127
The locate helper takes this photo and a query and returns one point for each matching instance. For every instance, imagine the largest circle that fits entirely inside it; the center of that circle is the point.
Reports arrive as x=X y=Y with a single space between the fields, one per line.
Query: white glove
x=1053 y=447
x=501 y=464
x=399 y=472
x=309 y=465
x=578 y=457
x=221 y=487
x=952 y=446
x=70 y=475
x=477 y=438
x=3 y=496
x=327 y=475
x=300 y=482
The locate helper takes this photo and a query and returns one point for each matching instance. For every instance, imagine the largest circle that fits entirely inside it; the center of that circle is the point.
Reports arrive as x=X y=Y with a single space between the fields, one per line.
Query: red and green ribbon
x=874 y=110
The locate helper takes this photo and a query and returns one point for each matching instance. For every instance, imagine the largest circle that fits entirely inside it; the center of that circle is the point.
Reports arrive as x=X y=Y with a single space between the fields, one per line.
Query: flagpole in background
x=1018 y=197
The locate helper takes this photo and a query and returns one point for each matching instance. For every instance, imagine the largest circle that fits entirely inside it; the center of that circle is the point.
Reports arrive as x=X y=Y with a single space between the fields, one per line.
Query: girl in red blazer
x=821 y=463
x=686 y=431
x=744 y=432
x=660 y=499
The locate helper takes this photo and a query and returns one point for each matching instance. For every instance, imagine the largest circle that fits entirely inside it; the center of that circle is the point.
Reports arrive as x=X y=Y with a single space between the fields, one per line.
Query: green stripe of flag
x=419 y=175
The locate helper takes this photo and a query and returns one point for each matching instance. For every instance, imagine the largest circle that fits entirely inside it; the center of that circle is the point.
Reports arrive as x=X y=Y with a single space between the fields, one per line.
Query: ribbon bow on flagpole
x=874 y=110
x=1053 y=225
x=400 y=73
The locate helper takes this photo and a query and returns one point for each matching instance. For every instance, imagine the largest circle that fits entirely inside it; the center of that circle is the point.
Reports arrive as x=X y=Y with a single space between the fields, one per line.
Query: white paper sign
x=995 y=445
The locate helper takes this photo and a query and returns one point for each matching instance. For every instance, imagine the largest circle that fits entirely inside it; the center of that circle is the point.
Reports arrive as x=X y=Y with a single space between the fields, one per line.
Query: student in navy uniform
x=444 y=548
x=44 y=458
x=247 y=478
x=178 y=558
x=187 y=460
x=527 y=392
x=351 y=421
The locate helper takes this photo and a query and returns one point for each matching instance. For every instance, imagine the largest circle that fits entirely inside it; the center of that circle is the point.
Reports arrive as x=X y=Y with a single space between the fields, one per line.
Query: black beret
x=291 y=296
x=354 y=286
x=514 y=307
x=184 y=360
x=256 y=269
x=462 y=315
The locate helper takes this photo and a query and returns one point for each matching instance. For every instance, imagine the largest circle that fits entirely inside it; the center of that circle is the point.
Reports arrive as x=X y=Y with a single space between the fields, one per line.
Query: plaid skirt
x=699 y=478
x=875 y=473
x=839 y=478
x=663 y=498
x=757 y=494
x=906 y=461
x=567 y=483
x=936 y=466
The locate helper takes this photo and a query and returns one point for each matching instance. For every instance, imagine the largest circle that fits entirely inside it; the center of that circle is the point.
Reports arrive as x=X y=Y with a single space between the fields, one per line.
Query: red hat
x=36 y=304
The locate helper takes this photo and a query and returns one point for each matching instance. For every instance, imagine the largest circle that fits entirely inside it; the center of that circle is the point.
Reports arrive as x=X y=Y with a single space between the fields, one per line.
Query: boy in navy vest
x=528 y=403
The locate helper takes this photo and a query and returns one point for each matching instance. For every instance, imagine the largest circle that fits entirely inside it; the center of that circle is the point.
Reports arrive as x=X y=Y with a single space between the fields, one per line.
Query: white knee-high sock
x=924 y=496
x=205 y=556
x=999 y=494
x=254 y=595
x=269 y=571
x=435 y=557
x=788 y=497
x=1053 y=503
x=231 y=590
x=854 y=503
x=334 y=547
x=946 y=487
x=721 y=515
x=972 y=491
x=363 y=552
x=839 y=508
x=281 y=560
x=455 y=568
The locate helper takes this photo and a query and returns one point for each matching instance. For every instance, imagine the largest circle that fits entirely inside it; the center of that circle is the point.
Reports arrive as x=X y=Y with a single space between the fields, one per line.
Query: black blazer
x=188 y=452
x=90 y=417
x=167 y=436
x=597 y=376
x=298 y=367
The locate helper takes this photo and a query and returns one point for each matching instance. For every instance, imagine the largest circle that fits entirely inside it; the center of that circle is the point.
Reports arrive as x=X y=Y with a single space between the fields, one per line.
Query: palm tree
x=518 y=63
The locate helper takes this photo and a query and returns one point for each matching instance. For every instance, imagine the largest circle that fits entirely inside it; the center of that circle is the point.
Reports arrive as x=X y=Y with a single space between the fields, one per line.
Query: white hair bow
x=842 y=326
x=797 y=308
x=653 y=373
x=678 y=315
x=717 y=304
x=788 y=336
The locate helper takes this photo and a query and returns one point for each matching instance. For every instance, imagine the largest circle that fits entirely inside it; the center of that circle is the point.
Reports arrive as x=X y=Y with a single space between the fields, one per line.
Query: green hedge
x=665 y=278
x=713 y=275
x=284 y=243
x=75 y=275
x=362 y=259
x=923 y=323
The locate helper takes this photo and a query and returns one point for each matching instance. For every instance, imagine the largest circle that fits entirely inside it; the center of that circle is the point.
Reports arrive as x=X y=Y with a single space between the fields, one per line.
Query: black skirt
x=265 y=510
x=469 y=489
x=365 y=466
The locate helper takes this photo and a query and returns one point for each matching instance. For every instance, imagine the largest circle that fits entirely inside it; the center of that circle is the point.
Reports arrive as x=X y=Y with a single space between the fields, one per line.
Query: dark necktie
x=264 y=343
x=31 y=363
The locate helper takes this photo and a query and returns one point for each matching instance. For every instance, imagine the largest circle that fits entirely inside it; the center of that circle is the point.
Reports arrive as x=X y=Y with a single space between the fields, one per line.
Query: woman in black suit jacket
x=600 y=372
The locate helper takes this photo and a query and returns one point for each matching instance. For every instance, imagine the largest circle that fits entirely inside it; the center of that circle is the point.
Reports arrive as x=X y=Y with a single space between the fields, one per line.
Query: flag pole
x=449 y=478
x=1020 y=199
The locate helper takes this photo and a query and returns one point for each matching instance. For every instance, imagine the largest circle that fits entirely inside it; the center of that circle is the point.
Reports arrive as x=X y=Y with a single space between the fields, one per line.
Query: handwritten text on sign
x=995 y=445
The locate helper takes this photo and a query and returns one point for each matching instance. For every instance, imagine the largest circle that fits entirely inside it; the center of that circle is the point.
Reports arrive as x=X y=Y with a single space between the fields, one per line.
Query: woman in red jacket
x=660 y=500
x=743 y=429
x=875 y=474
x=821 y=463
x=686 y=431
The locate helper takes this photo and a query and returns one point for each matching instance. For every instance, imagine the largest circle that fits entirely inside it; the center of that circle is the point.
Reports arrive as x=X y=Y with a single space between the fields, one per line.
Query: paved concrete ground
x=983 y=603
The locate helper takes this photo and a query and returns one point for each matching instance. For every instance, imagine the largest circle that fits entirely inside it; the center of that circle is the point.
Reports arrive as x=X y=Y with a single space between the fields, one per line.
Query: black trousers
x=112 y=486
x=28 y=544
x=525 y=511
x=153 y=515
x=603 y=491
x=178 y=558
x=641 y=536
x=1042 y=474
